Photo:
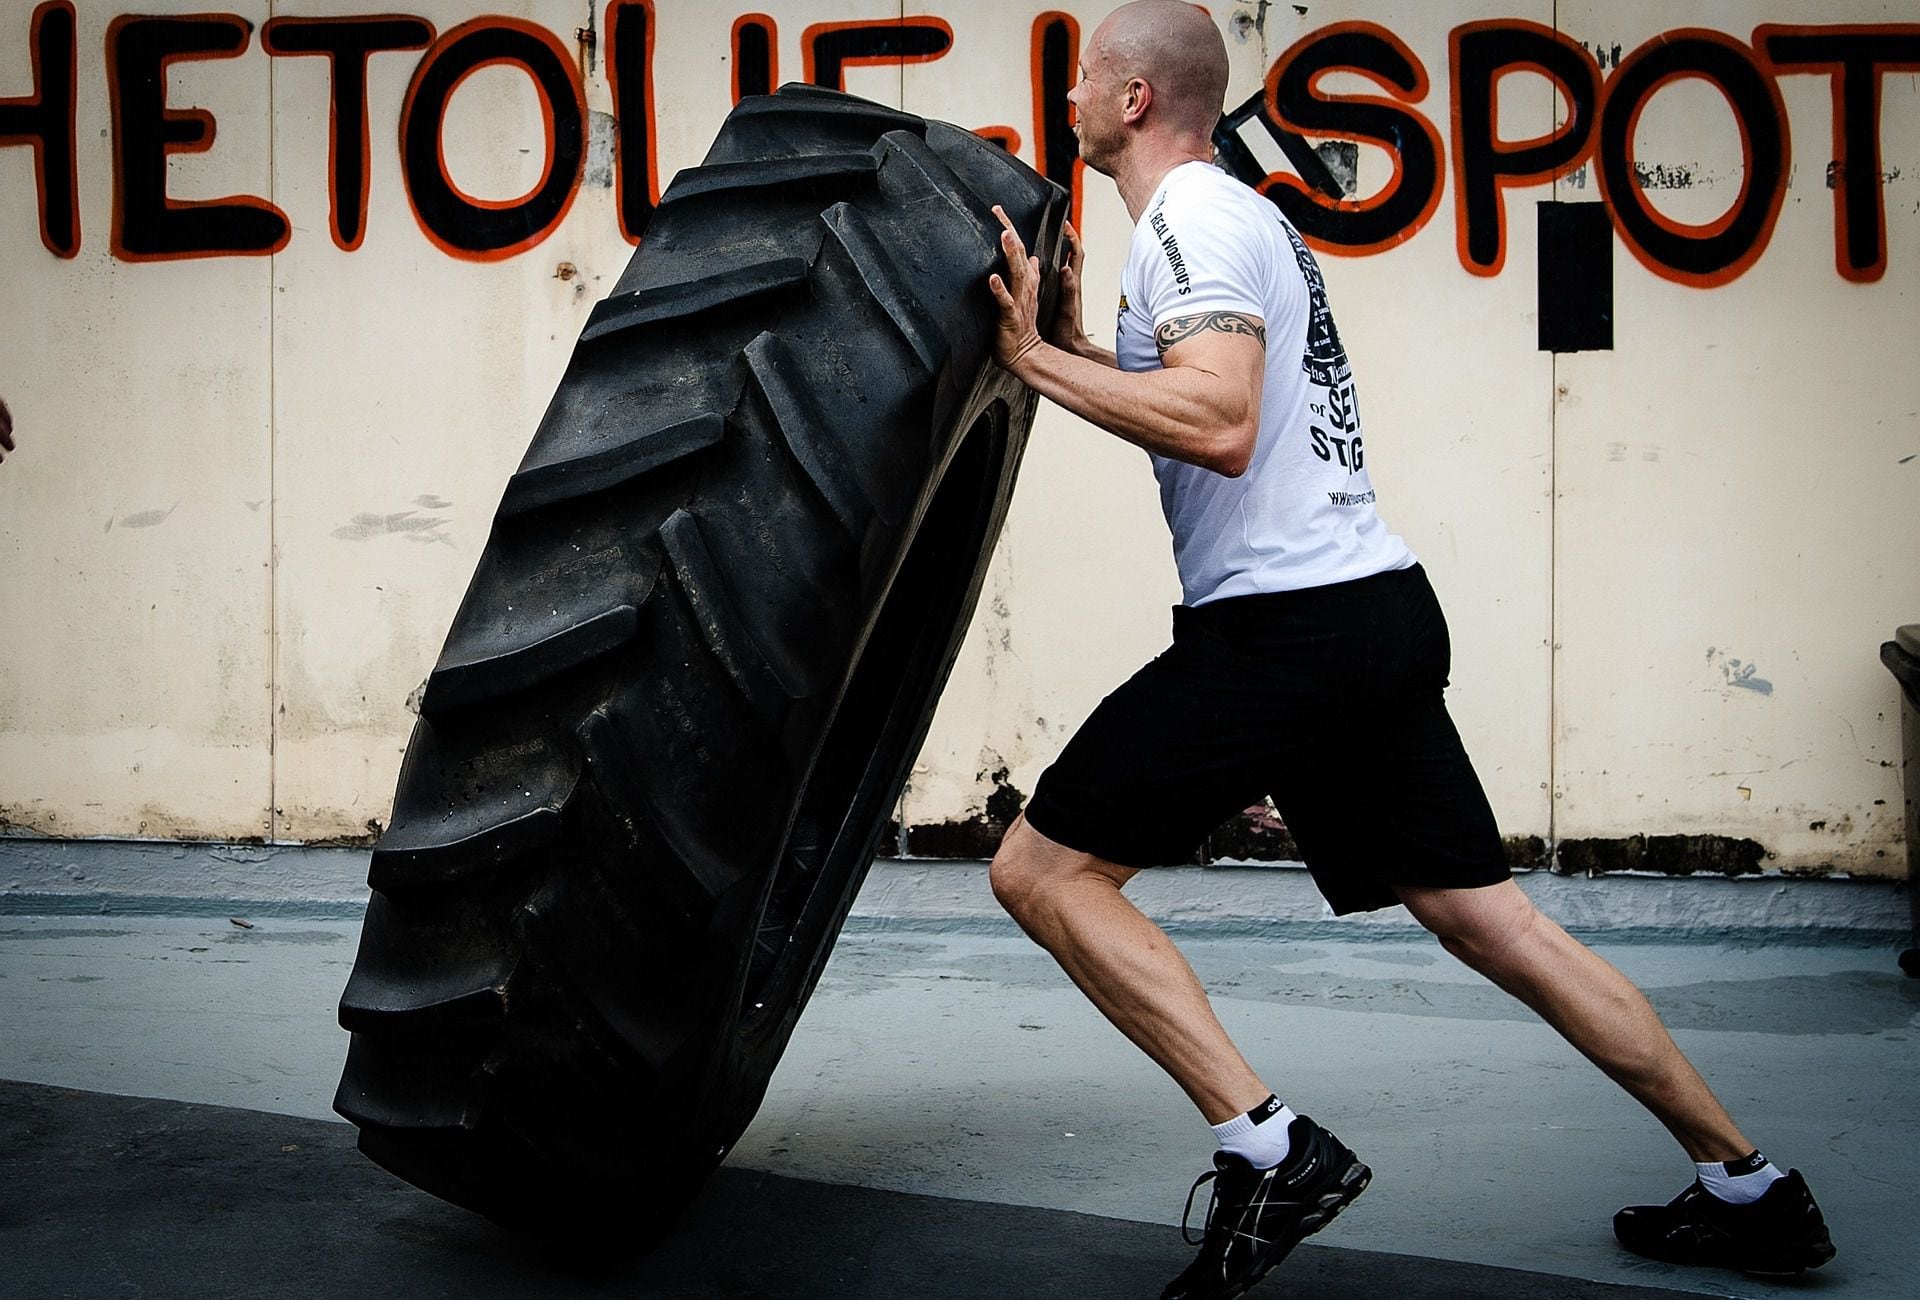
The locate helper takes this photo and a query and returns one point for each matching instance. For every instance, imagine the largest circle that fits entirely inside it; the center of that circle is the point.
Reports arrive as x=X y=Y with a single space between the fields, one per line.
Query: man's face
x=1097 y=101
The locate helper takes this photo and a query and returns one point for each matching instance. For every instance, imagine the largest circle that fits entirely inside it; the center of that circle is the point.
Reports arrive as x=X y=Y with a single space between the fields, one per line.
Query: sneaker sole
x=1815 y=1255
x=1352 y=1182
x=1819 y=1254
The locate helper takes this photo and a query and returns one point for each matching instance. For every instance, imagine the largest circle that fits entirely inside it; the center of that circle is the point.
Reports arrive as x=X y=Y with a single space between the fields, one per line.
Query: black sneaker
x=1779 y=1235
x=1257 y=1215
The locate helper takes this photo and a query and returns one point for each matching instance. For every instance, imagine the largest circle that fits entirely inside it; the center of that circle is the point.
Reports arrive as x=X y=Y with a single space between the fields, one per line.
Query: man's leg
x=1500 y=933
x=1721 y=1220
x=1070 y=903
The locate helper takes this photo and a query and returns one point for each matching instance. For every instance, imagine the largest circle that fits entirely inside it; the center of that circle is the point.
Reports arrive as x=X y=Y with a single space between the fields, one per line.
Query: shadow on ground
x=118 y=1196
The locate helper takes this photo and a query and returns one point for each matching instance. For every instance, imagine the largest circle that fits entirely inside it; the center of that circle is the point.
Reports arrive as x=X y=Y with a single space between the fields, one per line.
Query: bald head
x=1173 y=47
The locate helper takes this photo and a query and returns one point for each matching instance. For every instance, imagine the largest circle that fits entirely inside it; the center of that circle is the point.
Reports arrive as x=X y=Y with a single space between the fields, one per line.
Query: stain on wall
x=976 y=836
x=1669 y=855
x=1738 y=673
x=410 y=524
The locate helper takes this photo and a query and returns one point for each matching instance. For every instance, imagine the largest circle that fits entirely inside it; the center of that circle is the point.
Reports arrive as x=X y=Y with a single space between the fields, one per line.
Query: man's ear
x=1139 y=98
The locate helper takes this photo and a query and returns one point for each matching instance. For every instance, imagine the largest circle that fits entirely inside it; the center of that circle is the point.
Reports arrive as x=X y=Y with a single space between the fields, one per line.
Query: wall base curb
x=133 y=878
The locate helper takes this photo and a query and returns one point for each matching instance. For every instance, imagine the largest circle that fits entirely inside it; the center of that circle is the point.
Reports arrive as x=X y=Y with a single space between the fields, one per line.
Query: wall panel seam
x=273 y=473
x=1553 y=548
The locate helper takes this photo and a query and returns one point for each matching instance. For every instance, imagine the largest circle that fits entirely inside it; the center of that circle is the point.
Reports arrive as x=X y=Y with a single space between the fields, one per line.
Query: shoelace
x=1187 y=1213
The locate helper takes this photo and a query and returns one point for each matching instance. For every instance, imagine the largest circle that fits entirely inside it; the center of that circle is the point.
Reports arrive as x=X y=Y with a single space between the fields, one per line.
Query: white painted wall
x=250 y=490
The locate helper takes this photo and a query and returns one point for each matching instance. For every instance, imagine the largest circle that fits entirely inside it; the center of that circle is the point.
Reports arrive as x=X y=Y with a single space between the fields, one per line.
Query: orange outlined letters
x=44 y=121
x=636 y=163
x=1296 y=106
x=148 y=226
x=1484 y=164
x=347 y=44
x=486 y=230
x=1056 y=66
x=829 y=49
x=1295 y=109
x=756 y=56
x=1853 y=58
x=1721 y=250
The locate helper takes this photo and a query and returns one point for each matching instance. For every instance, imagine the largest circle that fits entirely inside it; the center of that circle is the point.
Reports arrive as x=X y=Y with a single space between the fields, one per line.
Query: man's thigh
x=1166 y=757
x=1389 y=798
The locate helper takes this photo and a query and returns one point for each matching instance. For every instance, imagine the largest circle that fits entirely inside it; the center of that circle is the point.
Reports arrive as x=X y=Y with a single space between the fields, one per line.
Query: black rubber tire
x=702 y=647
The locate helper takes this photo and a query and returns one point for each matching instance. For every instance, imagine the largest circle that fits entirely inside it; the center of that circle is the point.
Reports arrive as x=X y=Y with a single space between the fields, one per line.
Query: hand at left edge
x=1018 y=295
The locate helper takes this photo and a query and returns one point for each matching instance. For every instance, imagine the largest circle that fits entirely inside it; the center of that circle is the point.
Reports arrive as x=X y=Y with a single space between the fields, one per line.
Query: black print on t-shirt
x=1325 y=361
x=1177 y=263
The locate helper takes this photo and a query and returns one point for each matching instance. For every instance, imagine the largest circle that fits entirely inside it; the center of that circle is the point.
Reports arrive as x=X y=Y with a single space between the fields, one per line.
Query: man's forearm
x=1182 y=412
x=1086 y=347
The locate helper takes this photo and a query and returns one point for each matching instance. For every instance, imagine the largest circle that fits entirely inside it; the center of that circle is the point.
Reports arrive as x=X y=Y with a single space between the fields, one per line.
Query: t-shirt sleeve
x=1207 y=261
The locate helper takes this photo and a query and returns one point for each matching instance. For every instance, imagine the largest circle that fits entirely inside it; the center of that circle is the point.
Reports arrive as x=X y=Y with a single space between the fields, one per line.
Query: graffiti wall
x=1630 y=291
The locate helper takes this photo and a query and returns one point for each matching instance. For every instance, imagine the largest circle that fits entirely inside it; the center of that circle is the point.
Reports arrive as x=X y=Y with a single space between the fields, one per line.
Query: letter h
x=45 y=121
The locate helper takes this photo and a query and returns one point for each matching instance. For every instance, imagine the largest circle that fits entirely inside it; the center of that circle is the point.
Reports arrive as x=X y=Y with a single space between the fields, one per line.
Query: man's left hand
x=1018 y=295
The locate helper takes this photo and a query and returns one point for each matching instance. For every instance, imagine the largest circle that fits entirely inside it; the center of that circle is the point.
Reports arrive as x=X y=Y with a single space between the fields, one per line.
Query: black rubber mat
x=104 y=1196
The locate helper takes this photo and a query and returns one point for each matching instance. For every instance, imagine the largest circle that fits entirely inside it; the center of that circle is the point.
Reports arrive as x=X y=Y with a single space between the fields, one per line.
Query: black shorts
x=1329 y=701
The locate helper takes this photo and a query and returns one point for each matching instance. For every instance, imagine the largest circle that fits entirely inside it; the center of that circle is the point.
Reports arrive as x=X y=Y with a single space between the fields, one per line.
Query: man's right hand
x=1067 y=331
x=6 y=429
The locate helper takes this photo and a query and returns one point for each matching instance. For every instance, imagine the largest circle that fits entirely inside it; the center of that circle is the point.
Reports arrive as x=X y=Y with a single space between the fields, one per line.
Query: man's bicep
x=1230 y=349
x=1231 y=344
x=1171 y=333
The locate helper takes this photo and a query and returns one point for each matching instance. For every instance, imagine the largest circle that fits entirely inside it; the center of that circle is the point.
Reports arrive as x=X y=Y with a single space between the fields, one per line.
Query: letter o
x=1721 y=250
x=486 y=230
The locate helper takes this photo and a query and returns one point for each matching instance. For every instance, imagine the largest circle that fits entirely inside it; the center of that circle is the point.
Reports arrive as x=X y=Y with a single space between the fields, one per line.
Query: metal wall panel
x=1738 y=509
x=135 y=520
x=252 y=489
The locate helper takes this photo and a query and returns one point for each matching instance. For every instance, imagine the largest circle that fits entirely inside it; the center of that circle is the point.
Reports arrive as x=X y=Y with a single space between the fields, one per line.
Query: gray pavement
x=135 y=1197
x=960 y=1064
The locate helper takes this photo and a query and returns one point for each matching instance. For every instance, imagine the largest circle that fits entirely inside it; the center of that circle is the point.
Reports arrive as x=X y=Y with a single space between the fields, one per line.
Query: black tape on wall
x=1576 y=278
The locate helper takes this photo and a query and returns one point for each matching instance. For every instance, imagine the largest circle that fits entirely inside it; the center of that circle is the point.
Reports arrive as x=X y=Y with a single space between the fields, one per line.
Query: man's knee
x=1014 y=874
x=1029 y=868
x=1478 y=926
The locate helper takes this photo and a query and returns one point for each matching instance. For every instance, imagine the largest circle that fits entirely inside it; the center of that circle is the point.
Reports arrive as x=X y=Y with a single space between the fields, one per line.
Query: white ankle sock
x=1259 y=1136
x=1739 y=1182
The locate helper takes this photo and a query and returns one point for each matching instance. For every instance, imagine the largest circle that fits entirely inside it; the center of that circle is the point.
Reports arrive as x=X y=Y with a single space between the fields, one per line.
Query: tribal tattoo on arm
x=1181 y=328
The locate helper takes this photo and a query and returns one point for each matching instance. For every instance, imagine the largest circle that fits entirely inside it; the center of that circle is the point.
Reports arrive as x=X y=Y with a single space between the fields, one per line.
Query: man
x=6 y=429
x=1308 y=663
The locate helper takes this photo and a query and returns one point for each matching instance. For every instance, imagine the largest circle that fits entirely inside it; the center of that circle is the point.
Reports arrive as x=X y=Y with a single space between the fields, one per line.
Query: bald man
x=1308 y=662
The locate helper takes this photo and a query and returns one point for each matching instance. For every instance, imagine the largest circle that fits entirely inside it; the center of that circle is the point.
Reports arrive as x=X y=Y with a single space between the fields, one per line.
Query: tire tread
x=608 y=768
x=545 y=483
x=682 y=301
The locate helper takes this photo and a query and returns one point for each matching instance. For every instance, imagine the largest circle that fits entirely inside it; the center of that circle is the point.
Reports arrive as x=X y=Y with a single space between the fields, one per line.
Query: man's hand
x=6 y=429
x=1018 y=296
x=1201 y=407
x=1069 y=331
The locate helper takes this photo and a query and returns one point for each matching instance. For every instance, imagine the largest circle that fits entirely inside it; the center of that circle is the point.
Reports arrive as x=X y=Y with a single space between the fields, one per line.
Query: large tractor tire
x=702 y=647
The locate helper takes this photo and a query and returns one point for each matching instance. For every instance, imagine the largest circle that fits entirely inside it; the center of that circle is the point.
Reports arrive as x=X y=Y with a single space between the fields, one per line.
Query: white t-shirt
x=1302 y=515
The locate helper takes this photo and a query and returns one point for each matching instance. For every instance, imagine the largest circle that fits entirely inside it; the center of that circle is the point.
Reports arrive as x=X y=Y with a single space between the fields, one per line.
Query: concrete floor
x=136 y=1197
x=963 y=1065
